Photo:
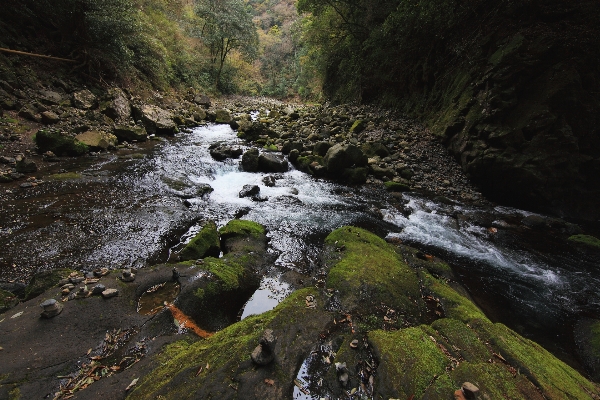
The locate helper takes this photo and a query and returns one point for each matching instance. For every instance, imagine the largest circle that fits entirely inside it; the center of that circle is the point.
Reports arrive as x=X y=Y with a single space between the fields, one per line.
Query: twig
x=35 y=55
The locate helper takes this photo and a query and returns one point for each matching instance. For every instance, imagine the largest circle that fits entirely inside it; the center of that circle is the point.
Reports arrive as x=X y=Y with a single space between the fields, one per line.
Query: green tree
x=226 y=25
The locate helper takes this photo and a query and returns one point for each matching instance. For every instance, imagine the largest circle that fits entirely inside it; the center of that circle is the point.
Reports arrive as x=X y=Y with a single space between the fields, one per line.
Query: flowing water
x=132 y=210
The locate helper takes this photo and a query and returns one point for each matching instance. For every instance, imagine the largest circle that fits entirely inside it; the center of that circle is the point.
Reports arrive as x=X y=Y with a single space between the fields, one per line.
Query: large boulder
x=222 y=116
x=84 y=99
x=50 y=97
x=130 y=133
x=156 y=120
x=59 y=143
x=97 y=140
x=269 y=162
x=204 y=244
x=342 y=156
x=250 y=160
x=116 y=106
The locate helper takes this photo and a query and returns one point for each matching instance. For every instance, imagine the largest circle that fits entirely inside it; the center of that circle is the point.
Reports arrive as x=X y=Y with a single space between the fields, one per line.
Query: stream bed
x=136 y=207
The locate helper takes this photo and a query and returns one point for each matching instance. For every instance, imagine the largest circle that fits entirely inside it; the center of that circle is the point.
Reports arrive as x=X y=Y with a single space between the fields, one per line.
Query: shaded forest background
x=219 y=46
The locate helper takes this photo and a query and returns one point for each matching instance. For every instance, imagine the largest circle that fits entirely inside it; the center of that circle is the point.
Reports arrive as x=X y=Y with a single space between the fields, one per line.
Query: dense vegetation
x=229 y=46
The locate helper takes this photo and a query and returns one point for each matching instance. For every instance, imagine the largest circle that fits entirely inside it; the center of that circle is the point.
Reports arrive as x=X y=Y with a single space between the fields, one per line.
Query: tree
x=227 y=25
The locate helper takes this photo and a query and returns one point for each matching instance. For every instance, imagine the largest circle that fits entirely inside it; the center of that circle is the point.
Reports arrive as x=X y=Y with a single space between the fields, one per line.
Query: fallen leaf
x=17 y=315
x=132 y=384
x=89 y=351
x=269 y=382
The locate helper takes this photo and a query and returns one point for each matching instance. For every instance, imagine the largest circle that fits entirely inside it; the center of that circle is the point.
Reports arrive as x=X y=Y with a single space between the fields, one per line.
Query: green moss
x=494 y=380
x=224 y=353
x=14 y=394
x=455 y=305
x=370 y=271
x=586 y=239
x=59 y=143
x=358 y=126
x=270 y=147
x=555 y=379
x=44 y=281
x=461 y=340
x=410 y=360
x=595 y=339
x=65 y=176
x=238 y=227
x=206 y=242
x=396 y=187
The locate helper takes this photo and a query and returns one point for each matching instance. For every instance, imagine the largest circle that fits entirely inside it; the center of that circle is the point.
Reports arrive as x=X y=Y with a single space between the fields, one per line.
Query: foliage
x=226 y=26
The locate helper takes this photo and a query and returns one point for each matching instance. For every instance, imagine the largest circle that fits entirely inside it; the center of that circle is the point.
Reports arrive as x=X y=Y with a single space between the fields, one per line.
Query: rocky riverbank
x=348 y=333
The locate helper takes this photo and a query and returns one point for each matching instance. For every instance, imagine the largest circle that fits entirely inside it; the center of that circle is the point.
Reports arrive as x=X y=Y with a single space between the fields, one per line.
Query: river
x=134 y=208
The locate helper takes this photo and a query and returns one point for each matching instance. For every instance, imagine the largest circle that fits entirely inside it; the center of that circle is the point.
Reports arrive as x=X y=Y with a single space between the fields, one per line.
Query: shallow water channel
x=134 y=208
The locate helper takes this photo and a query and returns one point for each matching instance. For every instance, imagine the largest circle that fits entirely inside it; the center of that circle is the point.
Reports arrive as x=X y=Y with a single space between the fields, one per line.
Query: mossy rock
x=369 y=272
x=205 y=243
x=176 y=374
x=358 y=126
x=243 y=235
x=587 y=338
x=7 y=301
x=59 y=143
x=45 y=280
x=396 y=187
x=587 y=240
x=355 y=176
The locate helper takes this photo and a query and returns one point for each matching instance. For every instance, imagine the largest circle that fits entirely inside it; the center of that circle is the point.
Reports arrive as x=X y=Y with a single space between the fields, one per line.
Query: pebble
x=51 y=308
x=98 y=289
x=108 y=293
x=127 y=275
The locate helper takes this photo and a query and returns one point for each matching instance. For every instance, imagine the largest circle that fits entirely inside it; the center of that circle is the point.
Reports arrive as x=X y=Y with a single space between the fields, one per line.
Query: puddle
x=153 y=300
x=270 y=293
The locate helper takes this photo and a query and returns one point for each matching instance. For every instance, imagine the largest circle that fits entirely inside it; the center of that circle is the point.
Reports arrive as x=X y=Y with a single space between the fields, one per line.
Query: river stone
x=108 y=293
x=268 y=162
x=222 y=116
x=97 y=140
x=130 y=133
x=342 y=156
x=50 y=98
x=222 y=152
x=117 y=106
x=49 y=118
x=205 y=244
x=202 y=100
x=249 y=191
x=320 y=148
x=25 y=165
x=264 y=353
x=470 y=390
x=156 y=120
x=98 y=289
x=51 y=308
x=30 y=113
x=250 y=160
x=84 y=99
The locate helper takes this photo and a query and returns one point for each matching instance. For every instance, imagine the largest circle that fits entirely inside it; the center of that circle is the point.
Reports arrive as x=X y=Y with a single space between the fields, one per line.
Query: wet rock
x=342 y=374
x=101 y=272
x=84 y=99
x=117 y=106
x=98 y=289
x=269 y=181
x=127 y=275
x=264 y=353
x=51 y=308
x=250 y=160
x=249 y=191
x=49 y=118
x=128 y=133
x=268 y=162
x=108 y=293
x=223 y=152
x=59 y=143
x=204 y=244
x=289 y=146
x=45 y=280
x=25 y=165
x=97 y=140
x=255 y=130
